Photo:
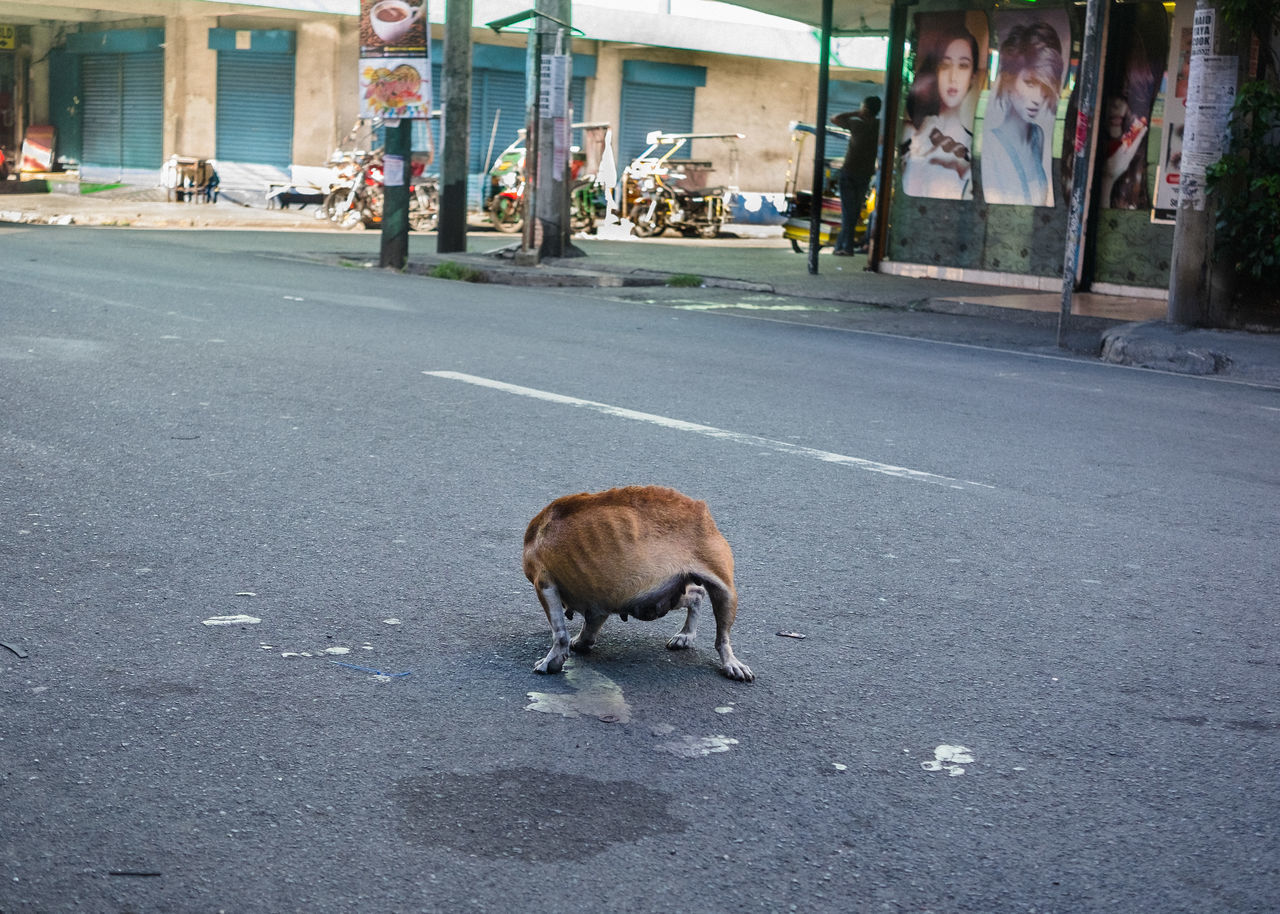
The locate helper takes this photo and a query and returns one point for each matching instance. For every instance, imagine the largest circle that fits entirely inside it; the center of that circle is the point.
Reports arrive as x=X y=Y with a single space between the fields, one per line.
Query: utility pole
x=555 y=73
x=451 y=234
x=396 y=154
x=1200 y=287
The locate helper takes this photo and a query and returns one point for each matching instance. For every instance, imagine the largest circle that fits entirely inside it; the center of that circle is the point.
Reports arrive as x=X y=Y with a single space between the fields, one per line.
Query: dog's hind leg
x=591 y=625
x=693 y=600
x=549 y=596
x=726 y=608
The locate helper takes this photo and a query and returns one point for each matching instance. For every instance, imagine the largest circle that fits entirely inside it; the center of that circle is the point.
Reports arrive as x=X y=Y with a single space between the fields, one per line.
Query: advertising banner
x=395 y=64
x=937 y=133
x=1017 y=133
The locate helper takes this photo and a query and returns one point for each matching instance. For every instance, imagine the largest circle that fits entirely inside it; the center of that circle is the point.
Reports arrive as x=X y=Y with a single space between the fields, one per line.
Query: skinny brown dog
x=638 y=551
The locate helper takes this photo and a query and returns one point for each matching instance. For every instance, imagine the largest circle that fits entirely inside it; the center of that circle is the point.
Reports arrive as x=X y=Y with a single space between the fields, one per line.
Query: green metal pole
x=395 y=200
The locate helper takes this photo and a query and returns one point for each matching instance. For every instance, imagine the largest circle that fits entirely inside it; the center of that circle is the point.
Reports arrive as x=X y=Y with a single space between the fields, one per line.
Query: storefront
x=984 y=145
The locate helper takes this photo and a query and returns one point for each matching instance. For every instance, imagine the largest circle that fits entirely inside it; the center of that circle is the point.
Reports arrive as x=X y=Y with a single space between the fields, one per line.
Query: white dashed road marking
x=711 y=431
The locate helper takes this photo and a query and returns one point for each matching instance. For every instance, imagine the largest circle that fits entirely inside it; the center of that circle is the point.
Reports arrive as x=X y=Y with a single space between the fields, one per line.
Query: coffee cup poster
x=395 y=69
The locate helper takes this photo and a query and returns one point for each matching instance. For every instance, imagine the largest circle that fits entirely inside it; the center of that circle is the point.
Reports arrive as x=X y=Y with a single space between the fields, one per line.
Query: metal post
x=1097 y=15
x=888 y=144
x=529 y=247
x=451 y=234
x=395 y=194
x=820 y=136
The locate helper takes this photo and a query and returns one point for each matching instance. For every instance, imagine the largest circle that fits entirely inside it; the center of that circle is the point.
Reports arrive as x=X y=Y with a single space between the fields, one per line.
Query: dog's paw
x=579 y=645
x=737 y=670
x=550 y=664
x=680 y=641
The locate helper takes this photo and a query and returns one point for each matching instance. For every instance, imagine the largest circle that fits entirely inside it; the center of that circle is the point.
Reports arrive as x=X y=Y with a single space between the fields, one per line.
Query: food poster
x=937 y=132
x=1034 y=52
x=395 y=69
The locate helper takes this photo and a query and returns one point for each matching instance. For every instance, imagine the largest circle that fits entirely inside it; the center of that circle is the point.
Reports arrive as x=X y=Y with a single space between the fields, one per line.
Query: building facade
x=259 y=87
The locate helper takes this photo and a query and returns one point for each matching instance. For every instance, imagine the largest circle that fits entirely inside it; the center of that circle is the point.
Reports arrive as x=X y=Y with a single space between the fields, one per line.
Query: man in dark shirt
x=859 y=165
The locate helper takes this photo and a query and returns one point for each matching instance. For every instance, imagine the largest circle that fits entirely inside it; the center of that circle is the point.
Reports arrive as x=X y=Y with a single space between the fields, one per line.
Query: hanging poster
x=937 y=133
x=1017 y=133
x=395 y=69
x=1137 y=47
x=1169 y=176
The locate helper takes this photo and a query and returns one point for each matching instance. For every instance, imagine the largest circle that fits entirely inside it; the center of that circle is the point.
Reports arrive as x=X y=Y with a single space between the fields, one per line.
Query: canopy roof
x=849 y=17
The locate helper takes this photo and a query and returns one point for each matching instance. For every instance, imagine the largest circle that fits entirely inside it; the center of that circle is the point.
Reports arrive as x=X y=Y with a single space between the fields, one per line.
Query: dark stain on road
x=530 y=814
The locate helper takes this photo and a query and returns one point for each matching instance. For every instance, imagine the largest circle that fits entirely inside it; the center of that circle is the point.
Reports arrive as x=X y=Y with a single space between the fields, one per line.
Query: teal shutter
x=647 y=107
x=123 y=112
x=255 y=107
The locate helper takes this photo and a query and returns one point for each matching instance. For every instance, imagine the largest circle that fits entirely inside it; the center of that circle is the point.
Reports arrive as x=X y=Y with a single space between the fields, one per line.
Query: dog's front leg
x=693 y=598
x=554 y=607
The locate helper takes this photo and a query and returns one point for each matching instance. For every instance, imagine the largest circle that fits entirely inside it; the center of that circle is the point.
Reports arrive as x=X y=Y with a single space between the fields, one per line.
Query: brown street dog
x=638 y=551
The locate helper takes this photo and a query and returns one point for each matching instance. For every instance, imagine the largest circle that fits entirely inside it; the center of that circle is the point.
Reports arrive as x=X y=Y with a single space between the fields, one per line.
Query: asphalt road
x=1038 y=595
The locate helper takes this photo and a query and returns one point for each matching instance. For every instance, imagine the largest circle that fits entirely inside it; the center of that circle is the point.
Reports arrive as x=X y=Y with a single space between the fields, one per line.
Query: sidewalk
x=749 y=259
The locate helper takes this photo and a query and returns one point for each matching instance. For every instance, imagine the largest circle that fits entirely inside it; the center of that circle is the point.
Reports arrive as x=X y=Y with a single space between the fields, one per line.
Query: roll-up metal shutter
x=648 y=107
x=123 y=111
x=255 y=107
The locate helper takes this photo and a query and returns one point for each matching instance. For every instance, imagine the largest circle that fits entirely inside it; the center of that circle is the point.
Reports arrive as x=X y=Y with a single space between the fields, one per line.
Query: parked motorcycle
x=355 y=197
x=505 y=198
x=655 y=198
x=359 y=196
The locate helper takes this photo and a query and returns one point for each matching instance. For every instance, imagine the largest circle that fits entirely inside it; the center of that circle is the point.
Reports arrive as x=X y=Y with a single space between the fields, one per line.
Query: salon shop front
x=984 y=144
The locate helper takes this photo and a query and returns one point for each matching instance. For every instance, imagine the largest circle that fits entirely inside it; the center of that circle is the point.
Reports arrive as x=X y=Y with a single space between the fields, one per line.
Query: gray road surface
x=1038 y=594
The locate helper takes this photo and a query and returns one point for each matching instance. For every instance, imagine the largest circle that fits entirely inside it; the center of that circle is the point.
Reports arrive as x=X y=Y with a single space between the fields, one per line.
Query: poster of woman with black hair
x=1136 y=53
x=1017 y=135
x=937 y=134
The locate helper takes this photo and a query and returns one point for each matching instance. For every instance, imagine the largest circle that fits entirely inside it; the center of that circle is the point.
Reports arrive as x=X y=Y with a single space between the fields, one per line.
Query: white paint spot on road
x=710 y=431
x=337 y=650
x=232 y=620
x=950 y=759
x=698 y=746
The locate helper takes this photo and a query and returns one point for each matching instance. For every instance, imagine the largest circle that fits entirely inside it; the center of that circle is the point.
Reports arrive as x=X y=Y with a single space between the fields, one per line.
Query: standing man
x=859 y=165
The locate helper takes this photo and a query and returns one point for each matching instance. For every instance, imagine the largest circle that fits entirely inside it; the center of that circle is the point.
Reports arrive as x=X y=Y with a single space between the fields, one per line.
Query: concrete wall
x=745 y=95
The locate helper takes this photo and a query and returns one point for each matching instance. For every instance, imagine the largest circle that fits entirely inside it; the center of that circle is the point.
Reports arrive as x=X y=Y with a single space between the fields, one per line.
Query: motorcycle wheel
x=643 y=228
x=504 y=213
x=346 y=212
x=329 y=206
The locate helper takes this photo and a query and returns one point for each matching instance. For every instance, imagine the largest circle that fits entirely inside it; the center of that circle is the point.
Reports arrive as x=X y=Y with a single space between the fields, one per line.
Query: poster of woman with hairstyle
x=1136 y=52
x=1017 y=135
x=937 y=134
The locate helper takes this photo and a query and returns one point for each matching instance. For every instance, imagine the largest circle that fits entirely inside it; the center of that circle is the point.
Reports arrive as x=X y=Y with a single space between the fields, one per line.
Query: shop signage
x=8 y=38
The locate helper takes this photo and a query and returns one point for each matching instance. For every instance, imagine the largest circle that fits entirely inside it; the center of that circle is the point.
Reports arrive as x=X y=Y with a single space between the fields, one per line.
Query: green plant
x=452 y=270
x=684 y=281
x=1247 y=182
x=94 y=188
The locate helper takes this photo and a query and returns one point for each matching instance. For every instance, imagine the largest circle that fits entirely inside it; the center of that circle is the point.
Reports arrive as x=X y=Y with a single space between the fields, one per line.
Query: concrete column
x=322 y=78
x=190 y=88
